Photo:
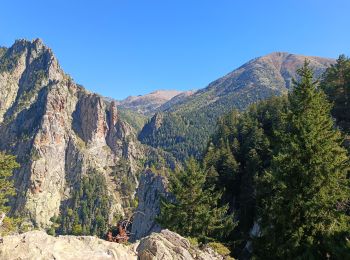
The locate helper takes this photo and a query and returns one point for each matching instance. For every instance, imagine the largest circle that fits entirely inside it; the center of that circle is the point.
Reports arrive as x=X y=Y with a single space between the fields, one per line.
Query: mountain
x=176 y=100
x=2 y=51
x=65 y=138
x=69 y=140
x=148 y=104
x=184 y=128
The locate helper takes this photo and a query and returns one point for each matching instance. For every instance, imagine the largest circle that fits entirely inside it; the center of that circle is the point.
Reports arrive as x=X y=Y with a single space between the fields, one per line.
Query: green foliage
x=125 y=183
x=8 y=61
x=7 y=165
x=237 y=153
x=27 y=96
x=302 y=185
x=2 y=51
x=220 y=249
x=301 y=192
x=7 y=190
x=51 y=231
x=136 y=120
x=77 y=230
x=194 y=211
x=193 y=241
x=186 y=130
x=336 y=84
x=170 y=136
x=89 y=208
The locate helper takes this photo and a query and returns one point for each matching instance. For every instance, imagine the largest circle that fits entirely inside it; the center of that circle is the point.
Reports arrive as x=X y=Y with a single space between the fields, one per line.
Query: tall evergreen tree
x=300 y=196
x=336 y=84
x=245 y=138
x=194 y=211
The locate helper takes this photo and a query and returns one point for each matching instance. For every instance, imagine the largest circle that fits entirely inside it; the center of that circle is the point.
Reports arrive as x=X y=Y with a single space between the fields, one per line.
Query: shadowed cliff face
x=59 y=132
x=151 y=189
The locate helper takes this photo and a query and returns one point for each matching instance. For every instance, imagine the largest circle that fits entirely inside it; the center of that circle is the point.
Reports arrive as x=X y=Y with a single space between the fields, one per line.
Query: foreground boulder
x=169 y=245
x=38 y=245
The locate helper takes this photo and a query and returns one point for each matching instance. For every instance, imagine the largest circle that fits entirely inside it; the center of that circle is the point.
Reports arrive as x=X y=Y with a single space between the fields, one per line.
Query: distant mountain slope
x=176 y=100
x=148 y=104
x=133 y=118
x=273 y=72
x=185 y=127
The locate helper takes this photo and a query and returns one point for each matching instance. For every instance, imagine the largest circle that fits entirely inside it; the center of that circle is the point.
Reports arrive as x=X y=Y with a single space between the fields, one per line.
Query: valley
x=87 y=161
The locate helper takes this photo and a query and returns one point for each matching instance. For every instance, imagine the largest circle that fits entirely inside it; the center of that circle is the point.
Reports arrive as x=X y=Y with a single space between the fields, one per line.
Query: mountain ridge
x=152 y=102
x=196 y=115
x=43 y=112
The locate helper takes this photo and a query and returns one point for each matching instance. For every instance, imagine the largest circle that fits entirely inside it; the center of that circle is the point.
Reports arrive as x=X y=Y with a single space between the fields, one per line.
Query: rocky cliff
x=38 y=245
x=151 y=188
x=59 y=132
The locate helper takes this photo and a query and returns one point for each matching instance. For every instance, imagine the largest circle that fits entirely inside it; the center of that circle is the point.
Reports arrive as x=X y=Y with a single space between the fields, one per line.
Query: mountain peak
x=148 y=104
x=26 y=52
x=286 y=57
x=36 y=44
x=281 y=54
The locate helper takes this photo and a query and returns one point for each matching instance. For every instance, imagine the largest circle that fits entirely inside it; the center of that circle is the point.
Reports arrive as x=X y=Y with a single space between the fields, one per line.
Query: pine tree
x=87 y=212
x=7 y=165
x=194 y=211
x=336 y=84
x=300 y=196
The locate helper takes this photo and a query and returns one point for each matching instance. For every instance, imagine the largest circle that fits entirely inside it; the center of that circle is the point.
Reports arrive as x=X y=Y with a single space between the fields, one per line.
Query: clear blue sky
x=129 y=47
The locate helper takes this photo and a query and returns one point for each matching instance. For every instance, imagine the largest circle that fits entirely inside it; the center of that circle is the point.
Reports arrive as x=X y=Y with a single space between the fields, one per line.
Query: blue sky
x=124 y=47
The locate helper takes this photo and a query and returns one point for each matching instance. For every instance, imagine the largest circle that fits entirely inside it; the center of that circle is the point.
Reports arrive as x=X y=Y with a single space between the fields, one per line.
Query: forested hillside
x=185 y=127
x=282 y=170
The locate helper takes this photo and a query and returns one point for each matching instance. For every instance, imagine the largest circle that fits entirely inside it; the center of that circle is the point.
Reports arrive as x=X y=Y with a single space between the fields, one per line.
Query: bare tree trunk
x=2 y=217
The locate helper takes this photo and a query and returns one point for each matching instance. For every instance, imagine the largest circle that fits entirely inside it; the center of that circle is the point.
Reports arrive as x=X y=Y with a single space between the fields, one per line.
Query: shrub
x=220 y=249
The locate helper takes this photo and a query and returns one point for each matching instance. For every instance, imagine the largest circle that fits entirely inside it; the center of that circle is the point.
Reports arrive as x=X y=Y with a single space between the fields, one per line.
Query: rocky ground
x=37 y=245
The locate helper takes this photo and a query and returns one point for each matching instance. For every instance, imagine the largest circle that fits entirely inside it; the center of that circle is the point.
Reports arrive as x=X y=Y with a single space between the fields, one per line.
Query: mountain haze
x=150 y=103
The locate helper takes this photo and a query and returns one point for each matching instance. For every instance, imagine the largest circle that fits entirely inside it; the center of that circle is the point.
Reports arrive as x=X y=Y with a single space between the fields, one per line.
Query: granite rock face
x=152 y=187
x=59 y=132
x=37 y=245
x=169 y=245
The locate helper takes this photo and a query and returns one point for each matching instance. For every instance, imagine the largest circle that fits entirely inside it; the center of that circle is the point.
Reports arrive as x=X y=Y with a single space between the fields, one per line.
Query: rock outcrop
x=59 y=132
x=169 y=245
x=37 y=245
x=152 y=187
